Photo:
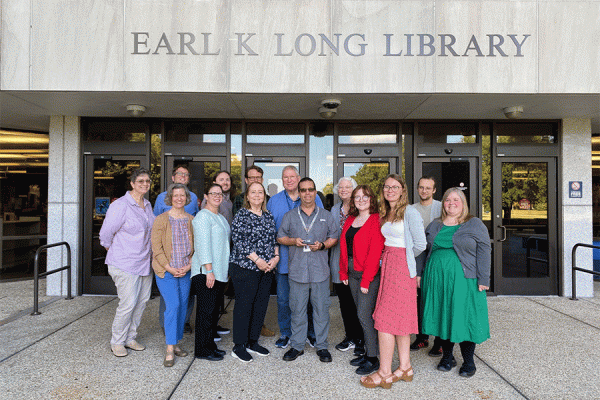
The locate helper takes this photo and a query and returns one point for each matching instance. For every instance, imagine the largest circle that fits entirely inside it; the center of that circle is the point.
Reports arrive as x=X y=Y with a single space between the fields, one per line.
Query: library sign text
x=354 y=44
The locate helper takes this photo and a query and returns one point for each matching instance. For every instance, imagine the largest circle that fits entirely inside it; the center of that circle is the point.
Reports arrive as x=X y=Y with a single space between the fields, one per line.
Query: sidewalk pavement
x=541 y=348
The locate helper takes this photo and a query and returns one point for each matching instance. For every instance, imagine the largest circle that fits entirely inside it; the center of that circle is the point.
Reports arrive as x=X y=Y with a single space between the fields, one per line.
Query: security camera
x=332 y=104
x=513 y=112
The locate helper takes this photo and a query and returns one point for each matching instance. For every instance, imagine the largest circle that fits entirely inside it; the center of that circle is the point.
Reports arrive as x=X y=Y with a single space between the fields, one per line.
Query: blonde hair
x=384 y=206
x=465 y=215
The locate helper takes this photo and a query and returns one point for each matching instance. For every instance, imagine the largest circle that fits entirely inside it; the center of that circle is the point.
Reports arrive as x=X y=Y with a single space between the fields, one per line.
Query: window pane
x=448 y=132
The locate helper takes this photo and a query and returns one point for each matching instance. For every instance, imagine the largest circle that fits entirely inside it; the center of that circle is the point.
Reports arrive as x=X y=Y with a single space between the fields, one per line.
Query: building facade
x=499 y=97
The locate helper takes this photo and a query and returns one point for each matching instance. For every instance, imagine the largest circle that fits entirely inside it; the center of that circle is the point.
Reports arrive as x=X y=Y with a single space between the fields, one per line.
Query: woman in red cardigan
x=361 y=245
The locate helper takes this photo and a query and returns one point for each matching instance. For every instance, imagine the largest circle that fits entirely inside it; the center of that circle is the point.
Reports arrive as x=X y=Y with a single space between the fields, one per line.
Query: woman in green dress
x=455 y=280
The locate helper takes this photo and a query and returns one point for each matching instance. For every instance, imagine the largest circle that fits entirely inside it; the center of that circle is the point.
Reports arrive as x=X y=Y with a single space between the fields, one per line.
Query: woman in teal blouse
x=210 y=266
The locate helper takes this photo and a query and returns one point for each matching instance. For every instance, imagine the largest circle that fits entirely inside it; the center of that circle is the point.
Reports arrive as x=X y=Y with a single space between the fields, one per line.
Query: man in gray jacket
x=429 y=209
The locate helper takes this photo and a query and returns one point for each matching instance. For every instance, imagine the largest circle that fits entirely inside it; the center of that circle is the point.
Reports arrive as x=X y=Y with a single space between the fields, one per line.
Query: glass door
x=106 y=179
x=273 y=167
x=451 y=172
x=202 y=170
x=524 y=220
x=368 y=171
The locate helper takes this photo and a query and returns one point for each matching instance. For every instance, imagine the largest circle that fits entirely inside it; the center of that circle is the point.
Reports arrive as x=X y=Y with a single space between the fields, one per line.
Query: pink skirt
x=396 y=308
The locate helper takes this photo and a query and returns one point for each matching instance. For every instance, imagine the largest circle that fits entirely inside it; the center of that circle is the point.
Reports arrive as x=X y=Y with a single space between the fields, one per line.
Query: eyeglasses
x=215 y=194
x=308 y=190
x=183 y=174
x=362 y=198
x=142 y=181
x=391 y=188
x=254 y=178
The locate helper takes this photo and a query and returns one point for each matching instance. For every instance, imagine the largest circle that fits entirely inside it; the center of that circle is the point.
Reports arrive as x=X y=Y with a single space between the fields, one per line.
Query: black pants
x=349 y=314
x=252 y=291
x=365 y=305
x=207 y=313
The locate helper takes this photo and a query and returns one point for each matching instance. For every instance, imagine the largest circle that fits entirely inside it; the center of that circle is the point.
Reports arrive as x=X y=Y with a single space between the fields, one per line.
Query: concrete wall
x=64 y=201
x=89 y=45
x=577 y=212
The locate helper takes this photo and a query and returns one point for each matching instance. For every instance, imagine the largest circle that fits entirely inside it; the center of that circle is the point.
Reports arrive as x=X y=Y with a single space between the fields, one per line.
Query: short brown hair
x=367 y=191
x=169 y=195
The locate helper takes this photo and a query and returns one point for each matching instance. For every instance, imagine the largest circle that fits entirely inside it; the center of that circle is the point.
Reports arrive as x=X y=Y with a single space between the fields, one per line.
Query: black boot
x=467 y=350
x=448 y=361
x=359 y=347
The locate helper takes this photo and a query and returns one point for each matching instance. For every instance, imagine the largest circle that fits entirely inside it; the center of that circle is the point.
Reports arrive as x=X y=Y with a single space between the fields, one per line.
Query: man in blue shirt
x=279 y=205
x=180 y=175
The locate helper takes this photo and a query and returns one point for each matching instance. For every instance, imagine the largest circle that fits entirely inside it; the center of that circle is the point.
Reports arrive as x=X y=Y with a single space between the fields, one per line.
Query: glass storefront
x=23 y=201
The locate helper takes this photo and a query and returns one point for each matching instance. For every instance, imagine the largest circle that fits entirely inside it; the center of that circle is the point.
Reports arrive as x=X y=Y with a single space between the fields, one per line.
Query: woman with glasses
x=254 y=255
x=353 y=337
x=455 y=280
x=361 y=244
x=210 y=266
x=172 y=249
x=396 y=308
x=125 y=234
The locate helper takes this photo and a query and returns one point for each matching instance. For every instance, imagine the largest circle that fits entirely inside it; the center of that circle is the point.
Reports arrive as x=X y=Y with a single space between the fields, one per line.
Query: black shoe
x=345 y=345
x=257 y=349
x=187 y=328
x=239 y=352
x=447 y=365
x=311 y=341
x=219 y=352
x=324 y=355
x=368 y=367
x=222 y=331
x=467 y=371
x=358 y=361
x=359 y=348
x=436 y=351
x=292 y=354
x=211 y=357
x=419 y=344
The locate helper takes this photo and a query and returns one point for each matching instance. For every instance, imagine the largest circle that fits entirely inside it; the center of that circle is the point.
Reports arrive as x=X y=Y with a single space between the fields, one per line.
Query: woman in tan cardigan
x=172 y=248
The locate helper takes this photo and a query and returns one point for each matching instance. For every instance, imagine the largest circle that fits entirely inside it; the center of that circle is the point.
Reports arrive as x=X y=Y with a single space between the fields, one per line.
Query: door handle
x=504 y=233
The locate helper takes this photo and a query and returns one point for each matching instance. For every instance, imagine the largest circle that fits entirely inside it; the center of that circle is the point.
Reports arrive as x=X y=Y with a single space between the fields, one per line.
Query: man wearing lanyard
x=309 y=231
x=279 y=205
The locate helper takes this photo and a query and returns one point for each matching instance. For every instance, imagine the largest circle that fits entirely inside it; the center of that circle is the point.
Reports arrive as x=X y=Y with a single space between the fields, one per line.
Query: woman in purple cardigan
x=125 y=234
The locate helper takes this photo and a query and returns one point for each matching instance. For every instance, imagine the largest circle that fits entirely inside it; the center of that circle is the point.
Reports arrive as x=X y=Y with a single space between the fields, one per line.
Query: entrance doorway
x=273 y=167
x=106 y=179
x=451 y=172
x=202 y=170
x=524 y=221
x=368 y=171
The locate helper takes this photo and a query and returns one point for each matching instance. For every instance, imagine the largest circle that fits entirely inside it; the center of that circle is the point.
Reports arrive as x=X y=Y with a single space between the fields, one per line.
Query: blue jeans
x=175 y=292
x=284 y=313
x=162 y=307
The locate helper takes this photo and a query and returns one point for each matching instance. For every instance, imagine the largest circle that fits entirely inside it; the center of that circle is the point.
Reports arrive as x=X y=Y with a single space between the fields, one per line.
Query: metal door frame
x=530 y=286
x=392 y=161
x=95 y=284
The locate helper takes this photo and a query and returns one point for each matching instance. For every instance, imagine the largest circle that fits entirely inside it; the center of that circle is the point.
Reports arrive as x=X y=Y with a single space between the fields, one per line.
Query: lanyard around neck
x=313 y=221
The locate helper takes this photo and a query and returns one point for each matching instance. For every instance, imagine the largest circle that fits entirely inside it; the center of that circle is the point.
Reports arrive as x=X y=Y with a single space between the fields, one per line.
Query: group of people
x=378 y=251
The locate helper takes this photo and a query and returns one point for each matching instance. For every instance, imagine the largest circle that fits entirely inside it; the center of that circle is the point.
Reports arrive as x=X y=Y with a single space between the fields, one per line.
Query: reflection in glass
x=372 y=174
x=526 y=133
x=448 y=132
x=525 y=218
x=236 y=164
x=321 y=166
x=111 y=181
x=447 y=175
x=283 y=139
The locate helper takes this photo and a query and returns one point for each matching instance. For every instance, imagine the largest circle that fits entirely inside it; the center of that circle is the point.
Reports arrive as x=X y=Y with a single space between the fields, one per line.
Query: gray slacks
x=319 y=299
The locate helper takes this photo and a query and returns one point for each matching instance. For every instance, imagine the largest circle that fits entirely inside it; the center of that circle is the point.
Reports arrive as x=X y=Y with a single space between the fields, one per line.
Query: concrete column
x=577 y=223
x=64 y=201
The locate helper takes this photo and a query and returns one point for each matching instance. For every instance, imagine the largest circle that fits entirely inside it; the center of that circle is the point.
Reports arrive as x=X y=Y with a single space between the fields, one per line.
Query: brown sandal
x=404 y=377
x=369 y=383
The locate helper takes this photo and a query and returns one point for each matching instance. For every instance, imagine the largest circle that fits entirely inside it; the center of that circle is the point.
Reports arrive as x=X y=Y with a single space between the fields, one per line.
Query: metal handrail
x=574 y=268
x=37 y=275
